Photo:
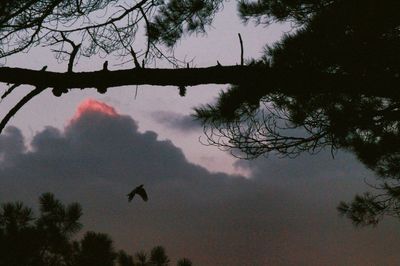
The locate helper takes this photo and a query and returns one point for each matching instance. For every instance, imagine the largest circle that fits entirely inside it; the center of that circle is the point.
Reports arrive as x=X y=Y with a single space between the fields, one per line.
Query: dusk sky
x=203 y=203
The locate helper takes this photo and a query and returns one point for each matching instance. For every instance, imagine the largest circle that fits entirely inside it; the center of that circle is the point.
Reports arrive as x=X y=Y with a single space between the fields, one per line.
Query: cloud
x=11 y=145
x=177 y=121
x=284 y=215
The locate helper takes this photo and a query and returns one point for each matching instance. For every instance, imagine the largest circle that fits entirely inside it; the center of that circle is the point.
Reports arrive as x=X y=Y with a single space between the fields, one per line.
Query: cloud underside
x=179 y=122
x=283 y=215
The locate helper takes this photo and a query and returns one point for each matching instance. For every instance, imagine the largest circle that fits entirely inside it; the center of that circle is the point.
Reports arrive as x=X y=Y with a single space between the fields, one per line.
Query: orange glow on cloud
x=90 y=105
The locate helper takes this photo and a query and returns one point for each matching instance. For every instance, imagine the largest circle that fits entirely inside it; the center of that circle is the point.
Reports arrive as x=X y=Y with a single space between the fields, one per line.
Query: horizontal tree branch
x=267 y=79
x=136 y=76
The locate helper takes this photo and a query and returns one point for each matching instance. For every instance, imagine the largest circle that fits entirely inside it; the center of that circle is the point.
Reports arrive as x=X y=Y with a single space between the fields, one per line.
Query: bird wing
x=131 y=195
x=142 y=193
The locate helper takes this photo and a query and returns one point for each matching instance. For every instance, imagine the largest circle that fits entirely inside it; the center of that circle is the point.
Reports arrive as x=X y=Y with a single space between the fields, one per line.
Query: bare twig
x=135 y=60
x=9 y=90
x=148 y=26
x=241 y=49
x=72 y=55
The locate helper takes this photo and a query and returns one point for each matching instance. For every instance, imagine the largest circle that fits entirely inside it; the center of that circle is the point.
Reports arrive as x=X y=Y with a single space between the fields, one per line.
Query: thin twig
x=136 y=91
x=135 y=60
x=241 y=49
x=9 y=90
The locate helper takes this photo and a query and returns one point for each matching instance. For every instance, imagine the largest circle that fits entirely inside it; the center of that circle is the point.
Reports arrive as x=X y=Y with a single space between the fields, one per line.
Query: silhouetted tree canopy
x=125 y=259
x=158 y=256
x=359 y=42
x=48 y=239
x=96 y=249
x=43 y=240
x=184 y=262
x=141 y=258
x=331 y=82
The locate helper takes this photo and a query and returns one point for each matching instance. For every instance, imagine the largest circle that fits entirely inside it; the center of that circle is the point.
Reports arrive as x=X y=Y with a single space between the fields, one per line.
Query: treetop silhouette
x=332 y=82
x=49 y=239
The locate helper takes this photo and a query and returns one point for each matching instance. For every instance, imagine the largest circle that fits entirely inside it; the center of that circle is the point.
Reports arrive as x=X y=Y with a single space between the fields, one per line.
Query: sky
x=203 y=204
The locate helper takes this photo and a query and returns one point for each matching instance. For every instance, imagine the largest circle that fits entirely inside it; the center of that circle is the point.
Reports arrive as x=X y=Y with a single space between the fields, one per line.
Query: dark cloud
x=284 y=215
x=11 y=145
x=177 y=121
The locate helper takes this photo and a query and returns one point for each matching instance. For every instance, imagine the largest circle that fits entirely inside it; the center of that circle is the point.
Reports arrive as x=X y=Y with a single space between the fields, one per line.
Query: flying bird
x=140 y=191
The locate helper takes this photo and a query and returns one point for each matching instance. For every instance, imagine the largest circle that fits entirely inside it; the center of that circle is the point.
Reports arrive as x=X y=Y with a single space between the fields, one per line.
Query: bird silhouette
x=138 y=190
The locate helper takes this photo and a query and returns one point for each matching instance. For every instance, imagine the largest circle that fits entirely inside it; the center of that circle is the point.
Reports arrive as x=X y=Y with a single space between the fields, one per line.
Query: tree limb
x=19 y=105
x=267 y=79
